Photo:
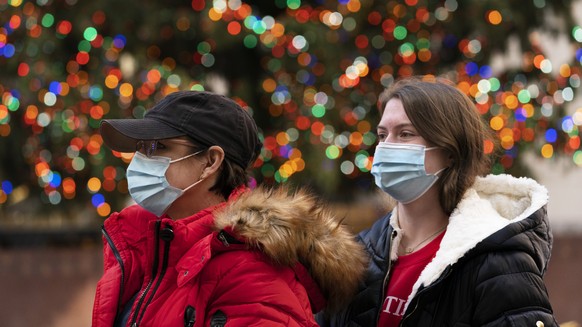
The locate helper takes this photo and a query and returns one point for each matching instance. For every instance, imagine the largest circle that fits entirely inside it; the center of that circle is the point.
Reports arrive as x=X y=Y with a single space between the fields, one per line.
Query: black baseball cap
x=206 y=118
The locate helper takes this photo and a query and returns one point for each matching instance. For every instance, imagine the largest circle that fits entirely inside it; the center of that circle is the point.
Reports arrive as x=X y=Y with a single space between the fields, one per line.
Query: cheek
x=434 y=162
x=182 y=176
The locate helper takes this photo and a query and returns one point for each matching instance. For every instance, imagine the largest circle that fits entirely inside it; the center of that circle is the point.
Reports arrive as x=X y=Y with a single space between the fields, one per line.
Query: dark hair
x=231 y=177
x=448 y=119
x=231 y=174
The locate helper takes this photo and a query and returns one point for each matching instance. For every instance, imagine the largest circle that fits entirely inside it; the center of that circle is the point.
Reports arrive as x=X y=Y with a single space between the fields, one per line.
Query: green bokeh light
x=90 y=34
x=577 y=157
x=524 y=96
x=250 y=41
x=48 y=20
x=332 y=152
x=400 y=32
x=293 y=4
x=318 y=110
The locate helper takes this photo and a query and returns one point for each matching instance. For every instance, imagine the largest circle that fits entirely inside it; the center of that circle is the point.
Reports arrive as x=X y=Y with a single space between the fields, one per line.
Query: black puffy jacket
x=487 y=272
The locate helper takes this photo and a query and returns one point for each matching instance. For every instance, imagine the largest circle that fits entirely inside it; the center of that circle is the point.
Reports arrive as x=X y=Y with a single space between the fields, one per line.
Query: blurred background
x=310 y=72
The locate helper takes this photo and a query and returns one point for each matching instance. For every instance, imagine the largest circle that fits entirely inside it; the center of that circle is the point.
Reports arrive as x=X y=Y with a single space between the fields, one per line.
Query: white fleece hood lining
x=492 y=203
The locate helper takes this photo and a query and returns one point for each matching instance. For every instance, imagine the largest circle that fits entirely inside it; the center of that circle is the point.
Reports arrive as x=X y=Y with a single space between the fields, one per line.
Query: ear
x=215 y=157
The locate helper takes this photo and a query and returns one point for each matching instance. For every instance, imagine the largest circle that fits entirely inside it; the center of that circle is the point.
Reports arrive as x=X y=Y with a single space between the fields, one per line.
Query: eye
x=160 y=146
x=406 y=134
x=382 y=136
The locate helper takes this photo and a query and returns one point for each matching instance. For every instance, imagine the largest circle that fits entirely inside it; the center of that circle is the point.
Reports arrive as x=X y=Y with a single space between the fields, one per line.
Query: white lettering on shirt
x=394 y=306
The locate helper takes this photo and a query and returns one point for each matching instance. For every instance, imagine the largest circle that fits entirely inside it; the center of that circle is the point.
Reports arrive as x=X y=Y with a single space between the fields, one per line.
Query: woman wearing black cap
x=200 y=248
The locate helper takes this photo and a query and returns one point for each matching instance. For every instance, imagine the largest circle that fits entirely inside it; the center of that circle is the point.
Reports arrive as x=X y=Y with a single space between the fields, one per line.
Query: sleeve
x=511 y=292
x=255 y=292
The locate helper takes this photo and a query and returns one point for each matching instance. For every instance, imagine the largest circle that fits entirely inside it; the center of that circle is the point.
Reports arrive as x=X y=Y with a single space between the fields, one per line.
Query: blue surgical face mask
x=398 y=170
x=147 y=183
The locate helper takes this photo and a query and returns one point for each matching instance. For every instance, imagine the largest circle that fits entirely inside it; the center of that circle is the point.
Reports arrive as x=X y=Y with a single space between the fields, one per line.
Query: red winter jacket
x=264 y=258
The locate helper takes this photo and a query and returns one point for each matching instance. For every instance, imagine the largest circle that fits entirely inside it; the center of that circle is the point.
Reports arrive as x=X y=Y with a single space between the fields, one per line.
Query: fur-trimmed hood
x=493 y=203
x=291 y=227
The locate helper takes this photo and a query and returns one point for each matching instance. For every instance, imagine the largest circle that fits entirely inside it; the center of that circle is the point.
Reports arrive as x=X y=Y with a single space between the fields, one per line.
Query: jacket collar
x=492 y=203
x=293 y=227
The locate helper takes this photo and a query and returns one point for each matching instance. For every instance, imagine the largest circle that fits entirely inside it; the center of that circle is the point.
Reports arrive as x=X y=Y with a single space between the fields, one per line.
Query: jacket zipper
x=218 y=319
x=121 y=266
x=386 y=277
x=167 y=235
x=154 y=273
x=189 y=317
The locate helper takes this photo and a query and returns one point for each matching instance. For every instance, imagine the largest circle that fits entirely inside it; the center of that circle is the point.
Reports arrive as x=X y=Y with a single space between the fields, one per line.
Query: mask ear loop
x=438 y=171
x=186 y=157
x=191 y=186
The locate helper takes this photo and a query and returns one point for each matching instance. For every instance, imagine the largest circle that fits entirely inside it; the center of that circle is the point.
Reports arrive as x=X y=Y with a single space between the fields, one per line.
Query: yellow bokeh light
x=94 y=184
x=494 y=17
x=269 y=85
x=64 y=88
x=285 y=170
x=354 y=5
x=126 y=89
x=111 y=81
x=293 y=165
x=547 y=151
x=295 y=154
x=299 y=163
x=41 y=169
x=15 y=3
x=474 y=90
x=528 y=110
x=282 y=138
x=506 y=132
x=565 y=70
x=31 y=112
x=507 y=142
x=464 y=87
x=511 y=101
x=126 y=156
x=496 y=123
x=356 y=138
x=104 y=209
x=214 y=15
x=278 y=30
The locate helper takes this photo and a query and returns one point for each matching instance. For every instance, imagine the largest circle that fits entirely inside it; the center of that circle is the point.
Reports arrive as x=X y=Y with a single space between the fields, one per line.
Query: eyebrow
x=399 y=126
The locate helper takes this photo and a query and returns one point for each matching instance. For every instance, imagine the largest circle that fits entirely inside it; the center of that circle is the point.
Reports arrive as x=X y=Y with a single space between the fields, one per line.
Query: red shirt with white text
x=405 y=272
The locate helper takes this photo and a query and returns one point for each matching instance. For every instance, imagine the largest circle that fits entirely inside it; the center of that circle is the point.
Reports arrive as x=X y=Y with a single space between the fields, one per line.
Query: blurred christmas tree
x=309 y=71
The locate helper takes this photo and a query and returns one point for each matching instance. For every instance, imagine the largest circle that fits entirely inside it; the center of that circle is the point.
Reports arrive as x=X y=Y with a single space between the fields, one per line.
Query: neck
x=191 y=203
x=419 y=220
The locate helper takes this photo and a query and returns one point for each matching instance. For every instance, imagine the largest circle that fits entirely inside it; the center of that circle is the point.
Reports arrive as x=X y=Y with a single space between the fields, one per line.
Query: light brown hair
x=448 y=119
